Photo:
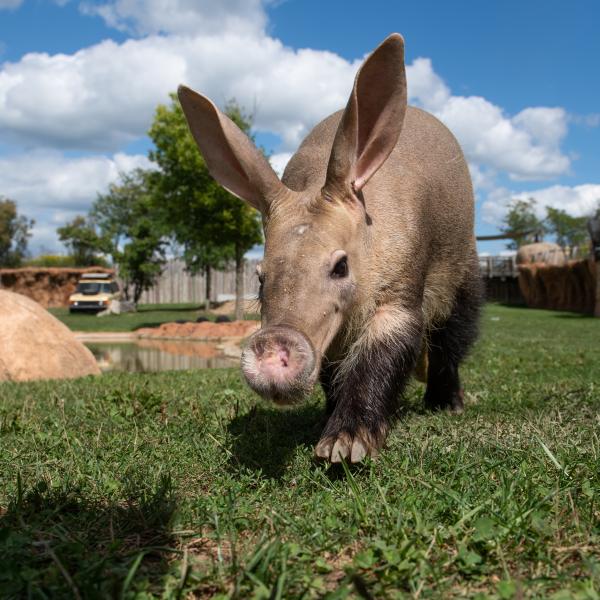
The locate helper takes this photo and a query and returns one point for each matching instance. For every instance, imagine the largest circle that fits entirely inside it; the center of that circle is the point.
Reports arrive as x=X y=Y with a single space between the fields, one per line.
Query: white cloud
x=143 y=17
x=544 y=125
x=517 y=145
x=10 y=4
x=51 y=188
x=526 y=146
x=579 y=201
x=425 y=86
x=105 y=95
x=482 y=178
x=49 y=180
x=98 y=98
x=279 y=161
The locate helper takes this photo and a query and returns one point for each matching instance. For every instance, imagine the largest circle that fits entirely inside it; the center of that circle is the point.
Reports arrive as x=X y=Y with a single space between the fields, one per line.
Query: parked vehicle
x=94 y=293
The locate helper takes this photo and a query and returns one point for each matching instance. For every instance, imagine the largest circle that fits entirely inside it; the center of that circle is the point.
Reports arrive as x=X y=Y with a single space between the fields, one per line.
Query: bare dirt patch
x=201 y=331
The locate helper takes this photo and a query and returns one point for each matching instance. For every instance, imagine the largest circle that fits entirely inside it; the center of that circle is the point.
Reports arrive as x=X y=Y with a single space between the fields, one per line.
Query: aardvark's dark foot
x=437 y=400
x=351 y=447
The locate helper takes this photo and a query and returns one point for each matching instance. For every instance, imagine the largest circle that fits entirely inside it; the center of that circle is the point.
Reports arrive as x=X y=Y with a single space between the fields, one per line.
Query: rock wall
x=568 y=287
x=50 y=287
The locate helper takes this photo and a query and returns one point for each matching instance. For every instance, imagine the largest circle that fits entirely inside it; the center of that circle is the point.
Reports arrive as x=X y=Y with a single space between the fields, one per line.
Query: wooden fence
x=176 y=285
x=498 y=266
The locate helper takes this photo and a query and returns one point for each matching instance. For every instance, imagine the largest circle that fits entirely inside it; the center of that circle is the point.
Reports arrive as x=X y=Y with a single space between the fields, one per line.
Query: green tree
x=212 y=226
x=14 y=234
x=83 y=242
x=131 y=228
x=568 y=230
x=522 y=224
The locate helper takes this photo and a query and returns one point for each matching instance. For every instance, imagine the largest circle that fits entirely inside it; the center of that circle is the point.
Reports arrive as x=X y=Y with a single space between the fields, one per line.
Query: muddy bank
x=200 y=331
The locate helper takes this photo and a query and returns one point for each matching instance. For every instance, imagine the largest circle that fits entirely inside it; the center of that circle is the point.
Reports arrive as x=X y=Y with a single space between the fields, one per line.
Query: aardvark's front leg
x=367 y=385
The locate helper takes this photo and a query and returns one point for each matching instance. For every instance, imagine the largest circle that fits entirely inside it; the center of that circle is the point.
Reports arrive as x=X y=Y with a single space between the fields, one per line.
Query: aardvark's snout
x=279 y=363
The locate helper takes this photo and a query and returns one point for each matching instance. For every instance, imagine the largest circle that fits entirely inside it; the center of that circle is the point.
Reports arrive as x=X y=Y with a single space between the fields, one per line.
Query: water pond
x=159 y=355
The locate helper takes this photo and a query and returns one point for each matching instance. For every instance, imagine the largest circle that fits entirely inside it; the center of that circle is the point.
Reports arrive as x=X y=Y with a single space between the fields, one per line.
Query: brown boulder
x=36 y=345
x=541 y=252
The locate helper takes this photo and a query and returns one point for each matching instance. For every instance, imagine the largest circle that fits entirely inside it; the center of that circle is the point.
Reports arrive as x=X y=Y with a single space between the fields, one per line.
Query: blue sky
x=517 y=82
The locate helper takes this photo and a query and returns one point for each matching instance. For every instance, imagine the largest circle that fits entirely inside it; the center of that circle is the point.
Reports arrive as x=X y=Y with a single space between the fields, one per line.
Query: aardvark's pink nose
x=279 y=363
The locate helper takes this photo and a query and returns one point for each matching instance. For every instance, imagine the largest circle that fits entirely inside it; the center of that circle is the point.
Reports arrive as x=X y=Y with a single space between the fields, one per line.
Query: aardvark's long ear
x=232 y=159
x=372 y=121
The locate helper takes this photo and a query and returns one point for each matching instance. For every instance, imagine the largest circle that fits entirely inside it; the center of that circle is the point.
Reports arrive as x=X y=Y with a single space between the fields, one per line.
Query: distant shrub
x=57 y=260
x=50 y=260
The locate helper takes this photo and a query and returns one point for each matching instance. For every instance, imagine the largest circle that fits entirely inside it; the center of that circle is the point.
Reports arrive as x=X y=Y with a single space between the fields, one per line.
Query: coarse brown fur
x=384 y=188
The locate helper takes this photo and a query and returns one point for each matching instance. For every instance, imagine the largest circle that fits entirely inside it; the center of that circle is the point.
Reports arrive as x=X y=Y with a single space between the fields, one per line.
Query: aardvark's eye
x=341 y=268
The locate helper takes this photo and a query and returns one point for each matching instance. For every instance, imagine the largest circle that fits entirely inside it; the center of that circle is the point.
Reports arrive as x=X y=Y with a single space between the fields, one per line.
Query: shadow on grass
x=170 y=308
x=577 y=316
x=557 y=314
x=505 y=304
x=58 y=542
x=266 y=438
x=149 y=324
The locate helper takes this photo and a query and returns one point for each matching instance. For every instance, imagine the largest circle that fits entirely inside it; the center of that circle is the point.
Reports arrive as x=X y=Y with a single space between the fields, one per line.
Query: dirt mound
x=50 y=287
x=201 y=331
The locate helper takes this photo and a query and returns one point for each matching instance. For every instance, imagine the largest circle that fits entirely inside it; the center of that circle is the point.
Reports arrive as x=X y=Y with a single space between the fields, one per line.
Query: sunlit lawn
x=147 y=315
x=185 y=484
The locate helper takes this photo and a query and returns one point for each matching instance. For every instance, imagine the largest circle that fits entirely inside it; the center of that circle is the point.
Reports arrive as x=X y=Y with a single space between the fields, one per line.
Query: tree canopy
x=211 y=225
x=134 y=221
x=569 y=231
x=132 y=231
x=522 y=223
x=15 y=231
x=84 y=244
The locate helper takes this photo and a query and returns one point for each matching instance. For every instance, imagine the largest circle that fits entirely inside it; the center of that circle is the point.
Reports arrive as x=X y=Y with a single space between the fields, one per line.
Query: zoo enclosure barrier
x=178 y=286
x=501 y=278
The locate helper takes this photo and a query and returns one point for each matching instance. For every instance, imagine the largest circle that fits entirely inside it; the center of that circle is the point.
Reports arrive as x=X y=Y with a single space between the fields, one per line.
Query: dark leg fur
x=448 y=346
x=326 y=378
x=366 y=401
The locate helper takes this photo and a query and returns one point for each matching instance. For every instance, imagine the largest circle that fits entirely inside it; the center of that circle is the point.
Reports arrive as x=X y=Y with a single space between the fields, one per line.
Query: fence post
x=594 y=229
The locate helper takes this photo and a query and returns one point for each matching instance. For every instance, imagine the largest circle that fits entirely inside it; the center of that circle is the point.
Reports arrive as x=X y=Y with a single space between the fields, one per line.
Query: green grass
x=187 y=485
x=147 y=315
